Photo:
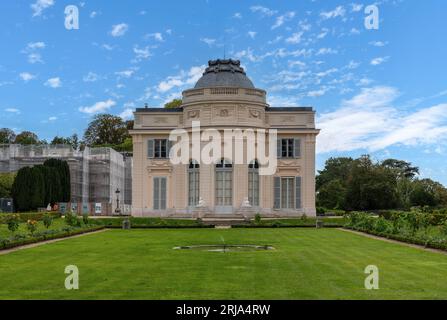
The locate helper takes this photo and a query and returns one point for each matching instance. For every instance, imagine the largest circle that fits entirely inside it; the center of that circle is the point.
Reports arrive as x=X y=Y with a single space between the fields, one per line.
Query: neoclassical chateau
x=224 y=98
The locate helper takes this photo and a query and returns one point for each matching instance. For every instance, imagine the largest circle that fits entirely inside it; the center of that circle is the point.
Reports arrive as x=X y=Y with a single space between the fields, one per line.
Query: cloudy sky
x=382 y=92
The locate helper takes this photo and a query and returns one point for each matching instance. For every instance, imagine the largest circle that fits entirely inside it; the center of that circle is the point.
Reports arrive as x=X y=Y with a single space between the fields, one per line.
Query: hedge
x=440 y=244
x=45 y=235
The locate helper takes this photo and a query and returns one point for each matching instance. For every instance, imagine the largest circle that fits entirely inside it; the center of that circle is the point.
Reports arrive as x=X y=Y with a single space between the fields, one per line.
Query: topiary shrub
x=85 y=218
x=258 y=218
x=13 y=222
x=47 y=220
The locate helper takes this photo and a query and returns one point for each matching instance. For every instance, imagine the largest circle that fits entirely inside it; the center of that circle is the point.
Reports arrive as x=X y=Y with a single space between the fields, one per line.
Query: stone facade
x=238 y=105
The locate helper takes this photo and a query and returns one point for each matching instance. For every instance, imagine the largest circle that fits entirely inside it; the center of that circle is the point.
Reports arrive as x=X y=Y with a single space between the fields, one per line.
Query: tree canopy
x=26 y=138
x=106 y=129
x=175 y=103
x=7 y=136
x=361 y=184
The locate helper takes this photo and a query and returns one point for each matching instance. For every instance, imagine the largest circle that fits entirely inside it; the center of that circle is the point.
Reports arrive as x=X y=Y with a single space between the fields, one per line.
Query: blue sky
x=382 y=92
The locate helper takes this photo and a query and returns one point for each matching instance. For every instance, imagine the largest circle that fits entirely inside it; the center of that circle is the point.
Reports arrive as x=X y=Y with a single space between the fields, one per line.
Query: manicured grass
x=140 y=264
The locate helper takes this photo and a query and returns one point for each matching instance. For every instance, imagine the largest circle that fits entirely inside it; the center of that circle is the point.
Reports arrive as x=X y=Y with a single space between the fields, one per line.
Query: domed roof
x=224 y=73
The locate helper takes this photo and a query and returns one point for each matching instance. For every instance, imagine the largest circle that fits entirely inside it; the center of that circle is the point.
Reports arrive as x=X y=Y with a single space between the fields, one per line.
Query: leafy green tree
x=21 y=189
x=334 y=169
x=6 y=182
x=26 y=138
x=370 y=186
x=403 y=169
x=175 y=103
x=73 y=141
x=332 y=195
x=105 y=129
x=7 y=136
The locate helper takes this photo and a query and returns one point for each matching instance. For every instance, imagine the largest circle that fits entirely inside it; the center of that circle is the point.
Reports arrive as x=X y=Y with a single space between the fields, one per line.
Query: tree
x=334 y=169
x=7 y=136
x=402 y=168
x=332 y=195
x=175 y=103
x=21 y=189
x=105 y=129
x=73 y=141
x=26 y=138
x=63 y=176
x=6 y=182
x=370 y=186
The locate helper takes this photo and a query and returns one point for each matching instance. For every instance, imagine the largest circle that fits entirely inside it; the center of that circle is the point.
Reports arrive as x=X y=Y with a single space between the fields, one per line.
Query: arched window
x=193 y=183
x=253 y=183
x=224 y=183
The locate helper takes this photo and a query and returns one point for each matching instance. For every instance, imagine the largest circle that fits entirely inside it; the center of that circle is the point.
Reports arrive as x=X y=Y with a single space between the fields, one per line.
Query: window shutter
x=278 y=148
x=297 y=192
x=296 y=148
x=163 y=193
x=156 y=193
x=277 y=192
x=150 y=148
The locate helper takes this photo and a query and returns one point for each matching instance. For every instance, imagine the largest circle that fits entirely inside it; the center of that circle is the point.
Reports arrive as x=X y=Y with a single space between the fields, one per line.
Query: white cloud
x=125 y=73
x=337 y=12
x=90 y=77
x=378 y=43
x=369 y=121
x=26 y=76
x=181 y=80
x=119 y=30
x=208 y=41
x=283 y=18
x=356 y=7
x=40 y=5
x=52 y=118
x=127 y=114
x=98 y=107
x=263 y=10
x=35 y=58
x=53 y=82
x=324 y=51
x=237 y=15
x=282 y=101
x=323 y=33
x=156 y=35
x=35 y=45
x=252 y=34
x=13 y=110
x=379 y=61
x=141 y=53
x=93 y=14
x=295 y=38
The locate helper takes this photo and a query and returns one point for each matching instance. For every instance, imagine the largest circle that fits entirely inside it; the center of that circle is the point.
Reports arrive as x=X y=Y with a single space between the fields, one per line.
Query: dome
x=224 y=73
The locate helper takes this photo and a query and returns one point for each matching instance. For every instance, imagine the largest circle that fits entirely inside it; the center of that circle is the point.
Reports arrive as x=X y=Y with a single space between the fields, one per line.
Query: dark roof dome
x=224 y=73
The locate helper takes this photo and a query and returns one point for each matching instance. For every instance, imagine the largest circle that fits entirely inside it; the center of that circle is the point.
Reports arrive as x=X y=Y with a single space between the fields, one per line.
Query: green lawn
x=140 y=264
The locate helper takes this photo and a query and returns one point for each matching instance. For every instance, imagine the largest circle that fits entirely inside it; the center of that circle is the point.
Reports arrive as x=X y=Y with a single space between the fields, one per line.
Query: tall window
x=194 y=183
x=287 y=193
x=253 y=183
x=159 y=193
x=224 y=183
x=158 y=148
x=289 y=148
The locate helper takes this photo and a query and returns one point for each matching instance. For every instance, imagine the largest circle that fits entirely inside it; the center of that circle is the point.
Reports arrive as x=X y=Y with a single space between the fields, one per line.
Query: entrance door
x=224 y=187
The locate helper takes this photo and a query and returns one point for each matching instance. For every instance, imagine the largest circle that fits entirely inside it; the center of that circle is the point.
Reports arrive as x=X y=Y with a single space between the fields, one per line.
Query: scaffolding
x=95 y=173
